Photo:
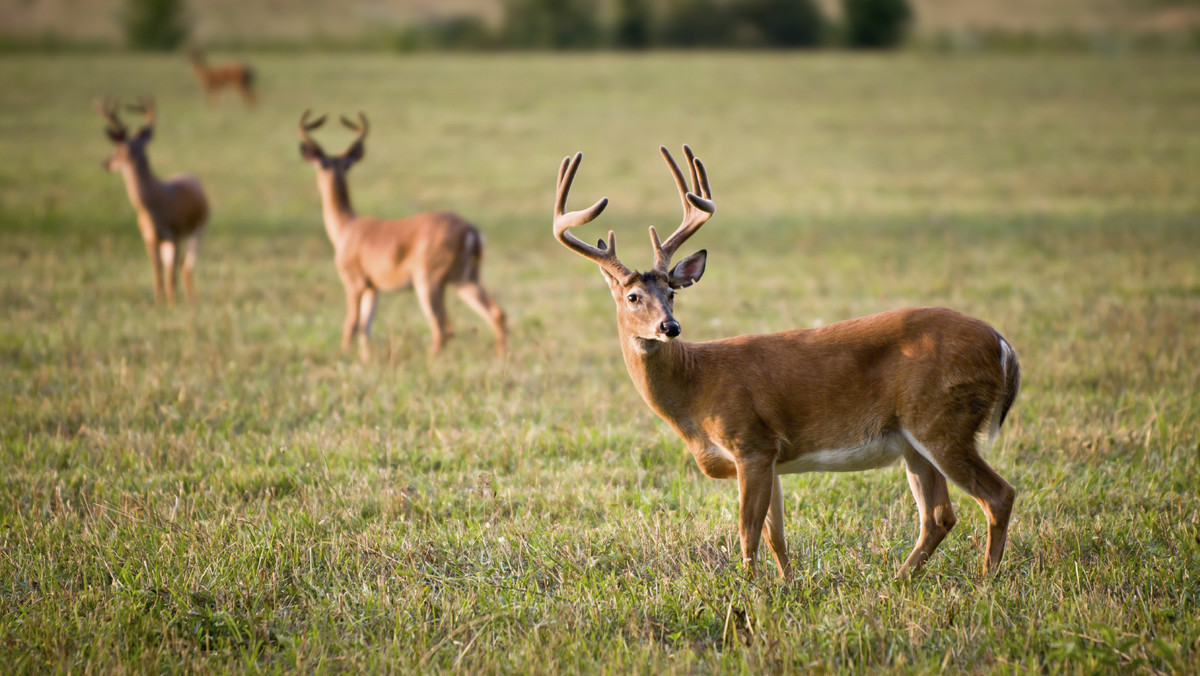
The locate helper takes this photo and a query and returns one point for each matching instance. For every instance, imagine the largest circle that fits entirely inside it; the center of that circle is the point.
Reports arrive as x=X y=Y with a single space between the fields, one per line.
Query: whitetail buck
x=171 y=214
x=918 y=384
x=239 y=76
x=426 y=252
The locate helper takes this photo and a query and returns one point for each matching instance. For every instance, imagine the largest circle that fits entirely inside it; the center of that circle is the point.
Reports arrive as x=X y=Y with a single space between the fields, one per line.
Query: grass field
x=213 y=488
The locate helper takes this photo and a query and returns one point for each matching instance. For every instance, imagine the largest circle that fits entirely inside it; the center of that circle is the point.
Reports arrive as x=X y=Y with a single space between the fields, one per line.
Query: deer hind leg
x=189 y=263
x=477 y=298
x=432 y=297
x=756 y=480
x=933 y=505
x=166 y=252
x=772 y=530
x=960 y=462
x=366 y=318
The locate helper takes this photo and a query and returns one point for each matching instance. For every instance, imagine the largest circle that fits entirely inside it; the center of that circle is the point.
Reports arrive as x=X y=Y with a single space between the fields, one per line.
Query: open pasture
x=213 y=488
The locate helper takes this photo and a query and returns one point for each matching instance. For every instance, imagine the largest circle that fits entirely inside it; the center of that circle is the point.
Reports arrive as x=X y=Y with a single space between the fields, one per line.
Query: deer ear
x=115 y=135
x=309 y=152
x=689 y=270
x=356 y=152
x=145 y=133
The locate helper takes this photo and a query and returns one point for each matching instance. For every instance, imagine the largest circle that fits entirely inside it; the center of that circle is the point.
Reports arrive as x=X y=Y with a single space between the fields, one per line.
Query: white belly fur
x=876 y=453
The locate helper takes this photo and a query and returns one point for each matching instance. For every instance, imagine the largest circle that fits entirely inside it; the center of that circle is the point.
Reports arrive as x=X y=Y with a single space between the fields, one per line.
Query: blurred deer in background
x=171 y=214
x=216 y=78
x=426 y=252
x=919 y=384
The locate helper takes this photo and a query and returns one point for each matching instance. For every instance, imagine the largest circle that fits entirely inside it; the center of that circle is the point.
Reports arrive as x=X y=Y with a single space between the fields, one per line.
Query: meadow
x=213 y=488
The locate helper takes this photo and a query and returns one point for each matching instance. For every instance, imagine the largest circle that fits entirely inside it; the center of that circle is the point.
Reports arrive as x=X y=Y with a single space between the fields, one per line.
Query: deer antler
x=698 y=207
x=108 y=107
x=605 y=256
x=361 y=127
x=306 y=126
x=144 y=106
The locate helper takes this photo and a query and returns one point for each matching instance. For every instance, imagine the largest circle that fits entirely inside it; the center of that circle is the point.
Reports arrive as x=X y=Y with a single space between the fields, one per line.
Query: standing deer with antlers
x=171 y=214
x=919 y=384
x=215 y=78
x=426 y=252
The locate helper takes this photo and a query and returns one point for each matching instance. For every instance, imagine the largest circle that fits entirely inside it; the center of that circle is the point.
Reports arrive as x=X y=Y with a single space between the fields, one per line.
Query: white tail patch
x=1007 y=355
x=472 y=244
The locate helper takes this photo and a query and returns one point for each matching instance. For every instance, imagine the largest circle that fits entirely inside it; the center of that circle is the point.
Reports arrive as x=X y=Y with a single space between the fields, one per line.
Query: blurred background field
x=214 y=488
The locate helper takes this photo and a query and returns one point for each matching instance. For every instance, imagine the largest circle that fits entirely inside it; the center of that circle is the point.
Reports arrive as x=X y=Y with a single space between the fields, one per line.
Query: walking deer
x=426 y=252
x=171 y=214
x=919 y=384
x=213 y=79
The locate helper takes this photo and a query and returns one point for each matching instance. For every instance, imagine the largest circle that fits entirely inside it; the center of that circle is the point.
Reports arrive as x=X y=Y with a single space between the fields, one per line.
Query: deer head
x=127 y=150
x=645 y=300
x=312 y=152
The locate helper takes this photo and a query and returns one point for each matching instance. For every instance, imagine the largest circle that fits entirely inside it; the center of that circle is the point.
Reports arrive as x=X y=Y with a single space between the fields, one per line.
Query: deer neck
x=662 y=372
x=143 y=187
x=335 y=204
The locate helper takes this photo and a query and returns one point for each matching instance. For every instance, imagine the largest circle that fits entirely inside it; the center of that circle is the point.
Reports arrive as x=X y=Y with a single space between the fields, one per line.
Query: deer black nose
x=670 y=327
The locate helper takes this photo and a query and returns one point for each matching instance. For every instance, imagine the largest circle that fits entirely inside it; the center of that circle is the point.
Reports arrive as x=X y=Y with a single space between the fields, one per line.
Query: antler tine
x=361 y=127
x=605 y=256
x=108 y=107
x=698 y=207
x=306 y=126
x=144 y=106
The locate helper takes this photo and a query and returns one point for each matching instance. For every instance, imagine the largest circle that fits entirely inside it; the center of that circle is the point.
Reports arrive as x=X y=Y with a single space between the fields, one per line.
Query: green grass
x=213 y=488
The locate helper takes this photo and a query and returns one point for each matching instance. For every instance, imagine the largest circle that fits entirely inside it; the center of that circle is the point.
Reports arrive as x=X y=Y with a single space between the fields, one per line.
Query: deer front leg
x=156 y=265
x=353 y=297
x=756 y=479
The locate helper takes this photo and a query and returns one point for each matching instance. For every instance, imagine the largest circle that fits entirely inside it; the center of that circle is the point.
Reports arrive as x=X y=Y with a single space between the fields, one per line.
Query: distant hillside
x=254 y=21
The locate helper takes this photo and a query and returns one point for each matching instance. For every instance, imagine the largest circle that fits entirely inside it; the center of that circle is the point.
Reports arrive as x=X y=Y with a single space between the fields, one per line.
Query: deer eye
x=633 y=298
x=671 y=295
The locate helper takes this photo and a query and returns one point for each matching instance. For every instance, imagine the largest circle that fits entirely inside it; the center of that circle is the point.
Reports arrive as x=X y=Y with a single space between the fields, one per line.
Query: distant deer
x=918 y=384
x=216 y=78
x=171 y=214
x=426 y=252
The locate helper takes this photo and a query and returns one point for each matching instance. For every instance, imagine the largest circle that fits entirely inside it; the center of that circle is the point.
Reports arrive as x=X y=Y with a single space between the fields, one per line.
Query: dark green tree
x=155 y=24
x=876 y=24
x=631 y=29
x=785 y=23
x=698 y=23
x=551 y=24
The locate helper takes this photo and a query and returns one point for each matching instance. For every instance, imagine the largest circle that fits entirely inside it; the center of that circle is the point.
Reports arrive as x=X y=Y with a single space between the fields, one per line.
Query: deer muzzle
x=670 y=328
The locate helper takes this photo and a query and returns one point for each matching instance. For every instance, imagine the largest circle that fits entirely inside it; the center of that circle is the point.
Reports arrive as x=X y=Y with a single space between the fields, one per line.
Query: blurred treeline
x=642 y=24
x=413 y=25
x=620 y=24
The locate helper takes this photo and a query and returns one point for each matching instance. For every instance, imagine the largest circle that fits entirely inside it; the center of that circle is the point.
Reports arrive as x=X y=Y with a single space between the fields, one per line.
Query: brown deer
x=171 y=214
x=919 y=384
x=426 y=252
x=216 y=78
